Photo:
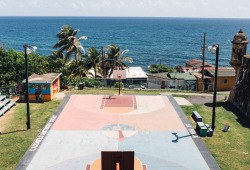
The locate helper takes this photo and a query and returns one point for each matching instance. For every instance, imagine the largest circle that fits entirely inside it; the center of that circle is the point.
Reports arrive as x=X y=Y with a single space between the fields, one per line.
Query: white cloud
x=57 y=5
x=73 y=5
x=106 y=4
x=204 y=3
x=82 y=4
x=34 y=4
x=3 y=4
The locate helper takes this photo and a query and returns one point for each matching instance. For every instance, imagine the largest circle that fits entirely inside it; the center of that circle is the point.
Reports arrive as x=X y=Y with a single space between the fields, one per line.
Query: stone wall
x=241 y=92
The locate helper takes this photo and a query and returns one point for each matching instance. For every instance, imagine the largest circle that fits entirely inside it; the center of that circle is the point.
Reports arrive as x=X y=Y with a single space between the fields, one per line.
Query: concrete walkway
x=182 y=101
x=154 y=127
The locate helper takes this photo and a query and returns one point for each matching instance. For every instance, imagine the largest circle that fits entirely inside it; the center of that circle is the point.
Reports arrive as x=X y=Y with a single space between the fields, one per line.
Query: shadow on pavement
x=177 y=137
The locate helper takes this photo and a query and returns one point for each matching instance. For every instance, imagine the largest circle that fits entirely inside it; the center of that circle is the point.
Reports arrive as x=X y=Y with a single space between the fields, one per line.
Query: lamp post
x=27 y=50
x=215 y=49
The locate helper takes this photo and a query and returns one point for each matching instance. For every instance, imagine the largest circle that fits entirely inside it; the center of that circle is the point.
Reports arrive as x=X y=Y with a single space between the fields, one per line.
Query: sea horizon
x=123 y=17
x=173 y=40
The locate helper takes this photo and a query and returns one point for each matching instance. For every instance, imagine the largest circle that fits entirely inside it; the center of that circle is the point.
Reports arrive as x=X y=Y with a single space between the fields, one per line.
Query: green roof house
x=182 y=81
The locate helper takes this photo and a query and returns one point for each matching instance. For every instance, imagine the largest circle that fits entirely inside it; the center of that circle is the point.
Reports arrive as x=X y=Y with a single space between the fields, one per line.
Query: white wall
x=153 y=86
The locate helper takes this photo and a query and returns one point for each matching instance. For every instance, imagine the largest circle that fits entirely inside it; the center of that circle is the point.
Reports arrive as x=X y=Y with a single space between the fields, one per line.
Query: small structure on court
x=118 y=160
x=43 y=87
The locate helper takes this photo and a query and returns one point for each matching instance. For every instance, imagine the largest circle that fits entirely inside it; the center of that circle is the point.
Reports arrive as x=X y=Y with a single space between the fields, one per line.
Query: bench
x=3 y=103
x=210 y=130
x=11 y=104
x=197 y=116
x=6 y=108
x=2 y=98
x=201 y=129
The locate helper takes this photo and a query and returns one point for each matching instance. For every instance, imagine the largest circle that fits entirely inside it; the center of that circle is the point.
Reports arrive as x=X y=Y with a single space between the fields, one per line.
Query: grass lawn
x=126 y=91
x=178 y=95
x=230 y=149
x=15 y=139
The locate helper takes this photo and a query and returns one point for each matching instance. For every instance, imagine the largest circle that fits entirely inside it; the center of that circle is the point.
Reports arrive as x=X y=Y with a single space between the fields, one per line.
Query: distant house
x=188 y=79
x=43 y=87
x=134 y=75
x=199 y=69
x=182 y=81
x=225 y=79
x=157 y=80
x=197 y=63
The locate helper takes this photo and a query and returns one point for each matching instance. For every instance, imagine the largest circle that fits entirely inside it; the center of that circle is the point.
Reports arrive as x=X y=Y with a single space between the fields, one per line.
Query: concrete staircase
x=5 y=105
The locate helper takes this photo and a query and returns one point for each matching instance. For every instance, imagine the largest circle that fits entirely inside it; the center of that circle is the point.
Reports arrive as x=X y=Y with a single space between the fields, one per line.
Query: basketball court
x=154 y=127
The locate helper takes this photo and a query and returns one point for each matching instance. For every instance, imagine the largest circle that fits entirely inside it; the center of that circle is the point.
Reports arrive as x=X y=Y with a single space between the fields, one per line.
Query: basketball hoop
x=119 y=75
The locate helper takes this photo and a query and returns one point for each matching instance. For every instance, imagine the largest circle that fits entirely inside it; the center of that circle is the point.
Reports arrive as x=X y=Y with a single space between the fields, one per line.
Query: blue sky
x=137 y=8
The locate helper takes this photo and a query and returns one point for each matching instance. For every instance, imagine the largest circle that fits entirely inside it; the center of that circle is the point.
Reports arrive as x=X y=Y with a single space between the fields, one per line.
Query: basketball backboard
x=119 y=74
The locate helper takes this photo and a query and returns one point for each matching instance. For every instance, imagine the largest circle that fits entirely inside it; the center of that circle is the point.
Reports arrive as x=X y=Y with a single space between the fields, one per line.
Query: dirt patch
x=6 y=118
x=60 y=95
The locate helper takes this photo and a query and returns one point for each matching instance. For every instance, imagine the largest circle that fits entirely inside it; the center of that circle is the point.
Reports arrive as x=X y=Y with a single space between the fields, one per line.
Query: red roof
x=197 y=63
x=205 y=68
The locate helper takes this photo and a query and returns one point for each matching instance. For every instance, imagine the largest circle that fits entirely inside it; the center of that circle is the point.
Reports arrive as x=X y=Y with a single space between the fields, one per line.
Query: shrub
x=116 y=85
x=80 y=82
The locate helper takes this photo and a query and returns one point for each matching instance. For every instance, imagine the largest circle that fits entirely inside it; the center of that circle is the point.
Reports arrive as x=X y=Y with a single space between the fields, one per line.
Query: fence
x=11 y=91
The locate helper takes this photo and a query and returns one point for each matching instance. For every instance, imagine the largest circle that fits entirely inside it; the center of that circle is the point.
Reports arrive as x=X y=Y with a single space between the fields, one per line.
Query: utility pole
x=203 y=61
x=104 y=68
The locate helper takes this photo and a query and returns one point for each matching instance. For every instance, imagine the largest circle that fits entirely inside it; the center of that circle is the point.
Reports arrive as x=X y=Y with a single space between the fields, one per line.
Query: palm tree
x=70 y=43
x=55 y=55
x=93 y=59
x=114 y=55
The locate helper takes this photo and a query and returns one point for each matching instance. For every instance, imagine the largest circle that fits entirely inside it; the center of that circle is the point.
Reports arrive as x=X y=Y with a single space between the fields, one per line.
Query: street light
x=214 y=49
x=27 y=51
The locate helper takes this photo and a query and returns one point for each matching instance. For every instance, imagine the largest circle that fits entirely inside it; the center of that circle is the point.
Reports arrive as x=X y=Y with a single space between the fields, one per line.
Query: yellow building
x=43 y=87
x=224 y=83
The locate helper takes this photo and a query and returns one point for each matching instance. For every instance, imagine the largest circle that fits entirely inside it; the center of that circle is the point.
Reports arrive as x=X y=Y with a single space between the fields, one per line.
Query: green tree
x=115 y=58
x=55 y=55
x=70 y=43
x=12 y=66
x=93 y=59
x=156 y=68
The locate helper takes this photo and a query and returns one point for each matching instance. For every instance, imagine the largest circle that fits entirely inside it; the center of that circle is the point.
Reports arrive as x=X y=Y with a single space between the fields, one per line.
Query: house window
x=223 y=81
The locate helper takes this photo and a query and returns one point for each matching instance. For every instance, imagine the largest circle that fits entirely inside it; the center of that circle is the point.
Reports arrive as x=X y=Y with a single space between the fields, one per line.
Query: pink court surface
x=154 y=127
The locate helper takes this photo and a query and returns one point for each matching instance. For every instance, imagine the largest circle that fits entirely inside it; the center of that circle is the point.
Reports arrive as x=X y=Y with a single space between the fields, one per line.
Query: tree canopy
x=156 y=68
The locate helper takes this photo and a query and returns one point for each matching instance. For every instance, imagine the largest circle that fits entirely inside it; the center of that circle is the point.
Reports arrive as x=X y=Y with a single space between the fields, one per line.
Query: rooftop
x=197 y=63
x=198 y=69
x=132 y=72
x=222 y=73
x=185 y=76
x=44 y=78
x=163 y=75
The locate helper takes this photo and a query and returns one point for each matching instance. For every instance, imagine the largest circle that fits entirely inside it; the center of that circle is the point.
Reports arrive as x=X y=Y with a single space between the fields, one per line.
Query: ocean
x=149 y=40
